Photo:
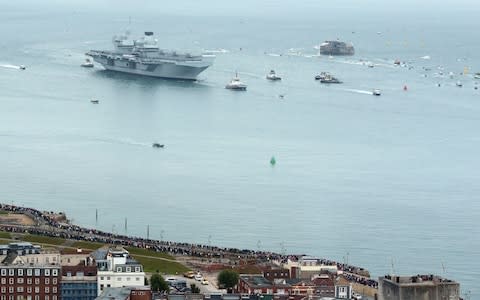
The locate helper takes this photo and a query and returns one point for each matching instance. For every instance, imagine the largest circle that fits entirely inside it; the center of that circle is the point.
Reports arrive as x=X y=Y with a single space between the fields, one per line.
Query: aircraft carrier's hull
x=186 y=70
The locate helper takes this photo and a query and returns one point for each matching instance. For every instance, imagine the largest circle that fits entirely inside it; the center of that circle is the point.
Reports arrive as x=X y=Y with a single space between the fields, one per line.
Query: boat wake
x=8 y=66
x=221 y=50
x=359 y=91
x=120 y=141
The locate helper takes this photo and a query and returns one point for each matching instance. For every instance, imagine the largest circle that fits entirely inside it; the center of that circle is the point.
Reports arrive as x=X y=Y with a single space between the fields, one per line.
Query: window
x=19 y=289
x=10 y=280
x=3 y=272
x=29 y=289
x=37 y=290
x=20 y=272
x=11 y=272
x=10 y=290
x=108 y=277
x=55 y=272
x=37 y=272
x=47 y=290
x=47 y=272
x=19 y=279
x=4 y=290
x=119 y=269
x=101 y=287
x=137 y=269
x=101 y=277
x=47 y=280
x=37 y=281
x=47 y=297
x=129 y=269
x=137 y=278
x=4 y=281
x=54 y=297
x=119 y=278
x=29 y=272
x=54 y=289
x=54 y=281
x=37 y=297
x=29 y=280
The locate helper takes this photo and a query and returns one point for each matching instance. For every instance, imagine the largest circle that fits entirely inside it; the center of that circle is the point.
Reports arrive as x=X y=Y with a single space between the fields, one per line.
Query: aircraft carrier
x=144 y=57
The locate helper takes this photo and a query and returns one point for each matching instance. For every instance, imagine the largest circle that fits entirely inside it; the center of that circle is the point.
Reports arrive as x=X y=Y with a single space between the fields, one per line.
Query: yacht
x=236 y=84
x=329 y=79
x=87 y=64
x=273 y=76
x=322 y=76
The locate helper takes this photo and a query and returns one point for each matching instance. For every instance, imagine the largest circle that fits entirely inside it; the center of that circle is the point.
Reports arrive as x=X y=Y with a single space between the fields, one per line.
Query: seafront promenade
x=44 y=224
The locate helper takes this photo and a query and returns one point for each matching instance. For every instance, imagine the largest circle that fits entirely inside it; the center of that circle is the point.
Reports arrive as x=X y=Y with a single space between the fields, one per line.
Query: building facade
x=115 y=268
x=418 y=287
x=29 y=273
x=79 y=282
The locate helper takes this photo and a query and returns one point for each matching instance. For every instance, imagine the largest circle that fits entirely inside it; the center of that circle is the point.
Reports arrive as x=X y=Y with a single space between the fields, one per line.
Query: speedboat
x=376 y=92
x=322 y=75
x=236 y=84
x=476 y=76
x=22 y=67
x=459 y=84
x=157 y=145
x=371 y=65
x=273 y=76
x=329 y=79
x=87 y=64
x=94 y=101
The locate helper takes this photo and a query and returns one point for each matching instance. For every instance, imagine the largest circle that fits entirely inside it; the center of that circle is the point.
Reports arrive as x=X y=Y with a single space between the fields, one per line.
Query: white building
x=117 y=269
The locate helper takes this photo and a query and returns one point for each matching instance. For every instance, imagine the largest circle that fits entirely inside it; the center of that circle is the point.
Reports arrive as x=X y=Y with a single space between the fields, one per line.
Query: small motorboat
x=22 y=67
x=94 y=101
x=236 y=85
x=397 y=62
x=459 y=84
x=87 y=64
x=370 y=65
x=476 y=76
x=322 y=75
x=273 y=76
x=330 y=79
x=376 y=92
x=157 y=145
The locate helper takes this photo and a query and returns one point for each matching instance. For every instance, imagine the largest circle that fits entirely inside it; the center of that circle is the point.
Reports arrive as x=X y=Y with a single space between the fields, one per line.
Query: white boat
x=376 y=92
x=476 y=76
x=273 y=76
x=87 y=64
x=22 y=67
x=236 y=84
x=459 y=84
x=370 y=65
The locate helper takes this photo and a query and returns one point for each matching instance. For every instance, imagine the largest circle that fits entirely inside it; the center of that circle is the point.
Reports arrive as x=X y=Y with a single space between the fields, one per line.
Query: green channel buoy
x=273 y=161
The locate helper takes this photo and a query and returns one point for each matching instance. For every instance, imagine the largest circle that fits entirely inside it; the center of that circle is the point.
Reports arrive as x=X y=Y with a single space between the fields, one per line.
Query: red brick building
x=28 y=273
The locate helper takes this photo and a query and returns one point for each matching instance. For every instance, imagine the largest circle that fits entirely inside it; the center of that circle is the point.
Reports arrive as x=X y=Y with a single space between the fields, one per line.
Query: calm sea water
x=382 y=181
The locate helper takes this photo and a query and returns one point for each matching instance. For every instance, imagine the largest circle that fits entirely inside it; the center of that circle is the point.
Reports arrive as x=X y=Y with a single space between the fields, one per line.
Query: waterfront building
x=307 y=267
x=257 y=284
x=343 y=288
x=324 y=285
x=272 y=274
x=418 y=287
x=79 y=282
x=29 y=272
x=126 y=293
x=115 y=268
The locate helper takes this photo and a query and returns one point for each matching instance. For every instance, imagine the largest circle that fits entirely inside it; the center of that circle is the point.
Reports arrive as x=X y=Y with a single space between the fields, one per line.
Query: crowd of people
x=47 y=226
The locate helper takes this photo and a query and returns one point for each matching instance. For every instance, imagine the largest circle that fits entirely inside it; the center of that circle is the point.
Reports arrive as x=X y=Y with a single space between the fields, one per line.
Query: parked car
x=204 y=282
x=189 y=274
x=198 y=277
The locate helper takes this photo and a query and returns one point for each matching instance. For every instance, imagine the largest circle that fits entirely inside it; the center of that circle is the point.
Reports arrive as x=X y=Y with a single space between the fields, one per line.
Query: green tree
x=158 y=284
x=228 y=279
x=194 y=288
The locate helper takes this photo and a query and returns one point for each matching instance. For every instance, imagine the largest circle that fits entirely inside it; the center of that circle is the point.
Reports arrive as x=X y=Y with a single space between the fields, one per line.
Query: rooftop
x=430 y=279
x=256 y=280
